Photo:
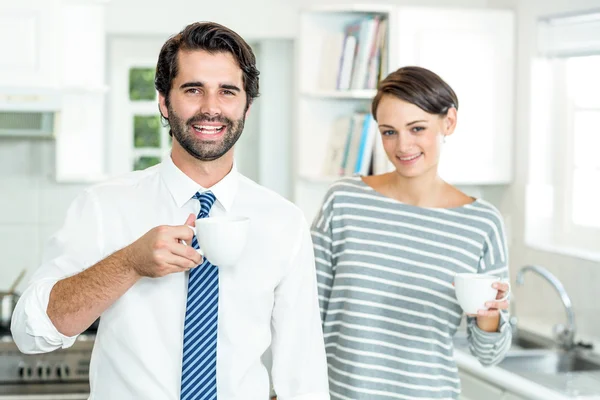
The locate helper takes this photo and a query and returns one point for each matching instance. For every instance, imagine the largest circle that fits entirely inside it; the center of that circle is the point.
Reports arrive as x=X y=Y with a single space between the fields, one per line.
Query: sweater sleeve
x=491 y=347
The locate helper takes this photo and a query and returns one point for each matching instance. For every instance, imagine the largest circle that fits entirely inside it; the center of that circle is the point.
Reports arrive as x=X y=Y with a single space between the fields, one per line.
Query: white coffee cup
x=222 y=239
x=474 y=290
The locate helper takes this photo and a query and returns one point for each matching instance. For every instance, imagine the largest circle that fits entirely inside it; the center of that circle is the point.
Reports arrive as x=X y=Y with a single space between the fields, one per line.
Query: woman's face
x=412 y=138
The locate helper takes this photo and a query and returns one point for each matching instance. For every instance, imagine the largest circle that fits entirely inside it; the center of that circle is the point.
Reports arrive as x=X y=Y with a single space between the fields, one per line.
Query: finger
x=498 y=305
x=178 y=263
x=183 y=232
x=191 y=220
x=500 y=286
x=501 y=294
x=488 y=313
x=188 y=252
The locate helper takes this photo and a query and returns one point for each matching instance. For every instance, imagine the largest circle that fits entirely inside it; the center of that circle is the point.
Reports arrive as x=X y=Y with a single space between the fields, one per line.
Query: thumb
x=191 y=220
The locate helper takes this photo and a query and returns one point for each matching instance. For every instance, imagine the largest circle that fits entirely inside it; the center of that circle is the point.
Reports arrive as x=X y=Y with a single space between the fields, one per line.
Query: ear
x=450 y=122
x=162 y=106
x=247 y=112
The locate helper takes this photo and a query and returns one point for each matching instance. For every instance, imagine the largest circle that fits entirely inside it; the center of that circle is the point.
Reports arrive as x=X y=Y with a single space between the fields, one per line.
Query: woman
x=387 y=249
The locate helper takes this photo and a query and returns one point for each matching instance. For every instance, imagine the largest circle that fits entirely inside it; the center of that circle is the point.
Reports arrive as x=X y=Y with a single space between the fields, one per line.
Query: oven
x=60 y=375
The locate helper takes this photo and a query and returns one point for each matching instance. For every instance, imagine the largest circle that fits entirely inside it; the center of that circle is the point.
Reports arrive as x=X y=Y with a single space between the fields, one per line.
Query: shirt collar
x=182 y=187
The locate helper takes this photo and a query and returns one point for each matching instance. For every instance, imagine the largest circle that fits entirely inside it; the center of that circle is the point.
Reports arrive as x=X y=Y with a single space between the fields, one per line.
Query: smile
x=208 y=129
x=410 y=158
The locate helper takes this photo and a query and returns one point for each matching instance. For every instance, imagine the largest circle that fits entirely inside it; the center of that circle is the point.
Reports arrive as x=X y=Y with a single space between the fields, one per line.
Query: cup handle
x=185 y=244
x=507 y=295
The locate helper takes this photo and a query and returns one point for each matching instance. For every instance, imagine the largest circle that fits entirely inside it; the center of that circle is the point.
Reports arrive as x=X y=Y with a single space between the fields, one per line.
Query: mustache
x=195 y=120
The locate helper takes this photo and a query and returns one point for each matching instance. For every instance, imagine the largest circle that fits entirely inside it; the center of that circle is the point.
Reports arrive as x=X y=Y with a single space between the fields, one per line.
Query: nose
x=210 y=105
x=404 y=143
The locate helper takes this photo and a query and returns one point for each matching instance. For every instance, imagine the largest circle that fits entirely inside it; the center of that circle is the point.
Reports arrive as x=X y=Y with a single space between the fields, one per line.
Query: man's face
x=207 y=104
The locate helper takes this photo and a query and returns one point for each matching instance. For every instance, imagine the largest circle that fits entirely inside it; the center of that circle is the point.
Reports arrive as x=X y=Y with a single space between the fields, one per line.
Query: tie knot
x=207 y=199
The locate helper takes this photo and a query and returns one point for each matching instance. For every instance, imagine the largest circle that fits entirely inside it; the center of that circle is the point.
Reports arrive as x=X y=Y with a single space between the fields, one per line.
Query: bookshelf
x=472 y=49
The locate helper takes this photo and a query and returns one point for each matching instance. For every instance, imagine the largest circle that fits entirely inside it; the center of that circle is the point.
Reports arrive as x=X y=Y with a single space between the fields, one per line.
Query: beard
x=183 y=132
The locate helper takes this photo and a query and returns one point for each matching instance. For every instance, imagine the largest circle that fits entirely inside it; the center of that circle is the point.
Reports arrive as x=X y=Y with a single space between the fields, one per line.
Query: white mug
x=222 y=239
x=474 y=290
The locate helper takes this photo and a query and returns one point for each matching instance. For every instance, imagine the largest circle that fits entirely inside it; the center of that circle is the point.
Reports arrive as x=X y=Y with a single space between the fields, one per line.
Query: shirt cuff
x=38 y=324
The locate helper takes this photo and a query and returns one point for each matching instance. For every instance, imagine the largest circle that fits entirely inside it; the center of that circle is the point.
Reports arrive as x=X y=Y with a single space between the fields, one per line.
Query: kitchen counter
x=569 y=386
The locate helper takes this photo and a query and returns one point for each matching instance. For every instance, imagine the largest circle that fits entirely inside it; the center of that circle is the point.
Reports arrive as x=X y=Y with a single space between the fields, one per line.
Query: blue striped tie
x=199 y=370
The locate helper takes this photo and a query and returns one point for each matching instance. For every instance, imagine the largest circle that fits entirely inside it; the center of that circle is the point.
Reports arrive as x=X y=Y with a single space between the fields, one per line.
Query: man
x=167 y=331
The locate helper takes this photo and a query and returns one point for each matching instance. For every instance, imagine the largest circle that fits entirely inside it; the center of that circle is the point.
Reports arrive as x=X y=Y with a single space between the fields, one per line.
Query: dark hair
x=418 y=86
x=213 y=38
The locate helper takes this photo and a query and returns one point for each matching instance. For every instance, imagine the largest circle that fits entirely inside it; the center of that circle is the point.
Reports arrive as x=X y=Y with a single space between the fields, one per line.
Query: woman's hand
x=489 y=320
x=494 y=307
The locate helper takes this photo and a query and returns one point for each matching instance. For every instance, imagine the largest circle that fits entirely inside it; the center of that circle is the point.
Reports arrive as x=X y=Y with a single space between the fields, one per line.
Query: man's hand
x=159 y=252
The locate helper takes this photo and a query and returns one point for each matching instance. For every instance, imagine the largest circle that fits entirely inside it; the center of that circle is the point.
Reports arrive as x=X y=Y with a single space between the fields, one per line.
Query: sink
x=548 y=362
x=527 y=342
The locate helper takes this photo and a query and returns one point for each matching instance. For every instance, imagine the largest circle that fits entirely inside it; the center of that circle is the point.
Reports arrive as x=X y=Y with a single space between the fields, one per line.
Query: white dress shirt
x=269 y=299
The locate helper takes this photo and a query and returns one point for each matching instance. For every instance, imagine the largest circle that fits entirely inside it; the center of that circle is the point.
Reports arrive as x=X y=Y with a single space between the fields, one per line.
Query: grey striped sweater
x=385 y=272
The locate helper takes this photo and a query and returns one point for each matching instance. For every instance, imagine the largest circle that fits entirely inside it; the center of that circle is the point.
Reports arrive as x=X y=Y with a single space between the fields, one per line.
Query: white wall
x=253 y=19
x=32 y=205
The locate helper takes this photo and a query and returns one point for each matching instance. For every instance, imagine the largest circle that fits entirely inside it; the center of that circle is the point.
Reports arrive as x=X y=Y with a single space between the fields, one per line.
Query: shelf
x=366 y=94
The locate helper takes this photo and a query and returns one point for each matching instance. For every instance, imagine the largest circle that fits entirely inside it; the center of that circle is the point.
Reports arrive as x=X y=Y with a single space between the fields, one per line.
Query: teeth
x=410 y=158
x=208 y=129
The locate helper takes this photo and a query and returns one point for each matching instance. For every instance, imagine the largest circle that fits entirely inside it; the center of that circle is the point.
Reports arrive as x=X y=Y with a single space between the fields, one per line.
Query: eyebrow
x=415 y=122
x=409 y=124
x=201 y=84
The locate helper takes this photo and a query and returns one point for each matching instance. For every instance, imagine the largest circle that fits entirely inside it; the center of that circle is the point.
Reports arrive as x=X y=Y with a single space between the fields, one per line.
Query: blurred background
x=78 y=106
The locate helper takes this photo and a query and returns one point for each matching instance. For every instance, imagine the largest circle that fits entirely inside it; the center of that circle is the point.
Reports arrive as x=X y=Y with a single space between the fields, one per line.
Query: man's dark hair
x=213 y=38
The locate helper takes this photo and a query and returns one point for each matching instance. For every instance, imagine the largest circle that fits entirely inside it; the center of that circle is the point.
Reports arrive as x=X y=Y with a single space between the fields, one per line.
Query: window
x=563 y=193
x=137 y=138
x=151 y=140
x=583 y=86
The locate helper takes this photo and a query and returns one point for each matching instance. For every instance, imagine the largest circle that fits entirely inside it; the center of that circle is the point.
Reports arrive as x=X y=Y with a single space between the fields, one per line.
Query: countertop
x=570 y=386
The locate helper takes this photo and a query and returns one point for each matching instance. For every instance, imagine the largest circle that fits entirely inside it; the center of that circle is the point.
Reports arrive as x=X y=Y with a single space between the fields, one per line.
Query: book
x=336 y=146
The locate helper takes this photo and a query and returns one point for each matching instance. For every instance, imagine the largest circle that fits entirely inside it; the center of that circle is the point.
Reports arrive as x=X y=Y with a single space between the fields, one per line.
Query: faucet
x=564 y=335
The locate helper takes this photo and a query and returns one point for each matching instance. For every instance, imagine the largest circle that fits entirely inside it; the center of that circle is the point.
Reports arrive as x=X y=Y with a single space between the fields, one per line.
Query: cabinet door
x=512 y=396
x=473 y=51
x=28 y=43
x=476 y=389
x=80 y=137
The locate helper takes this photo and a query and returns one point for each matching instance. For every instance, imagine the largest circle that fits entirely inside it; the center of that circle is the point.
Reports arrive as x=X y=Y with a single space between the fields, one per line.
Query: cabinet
x=55 y=50
x=473 y=50
x=473 y=388
x=511 y=396
x=80 y=134
x=29 y=35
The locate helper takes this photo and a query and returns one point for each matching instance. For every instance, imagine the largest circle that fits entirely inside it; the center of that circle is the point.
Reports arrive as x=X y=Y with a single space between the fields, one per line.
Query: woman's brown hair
x=418 y=86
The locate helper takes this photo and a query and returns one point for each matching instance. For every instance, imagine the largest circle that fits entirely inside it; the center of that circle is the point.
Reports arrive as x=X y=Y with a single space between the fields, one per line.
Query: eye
x=388 y=132
x=228 y=92
x=192 y=91
x=417 y=129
